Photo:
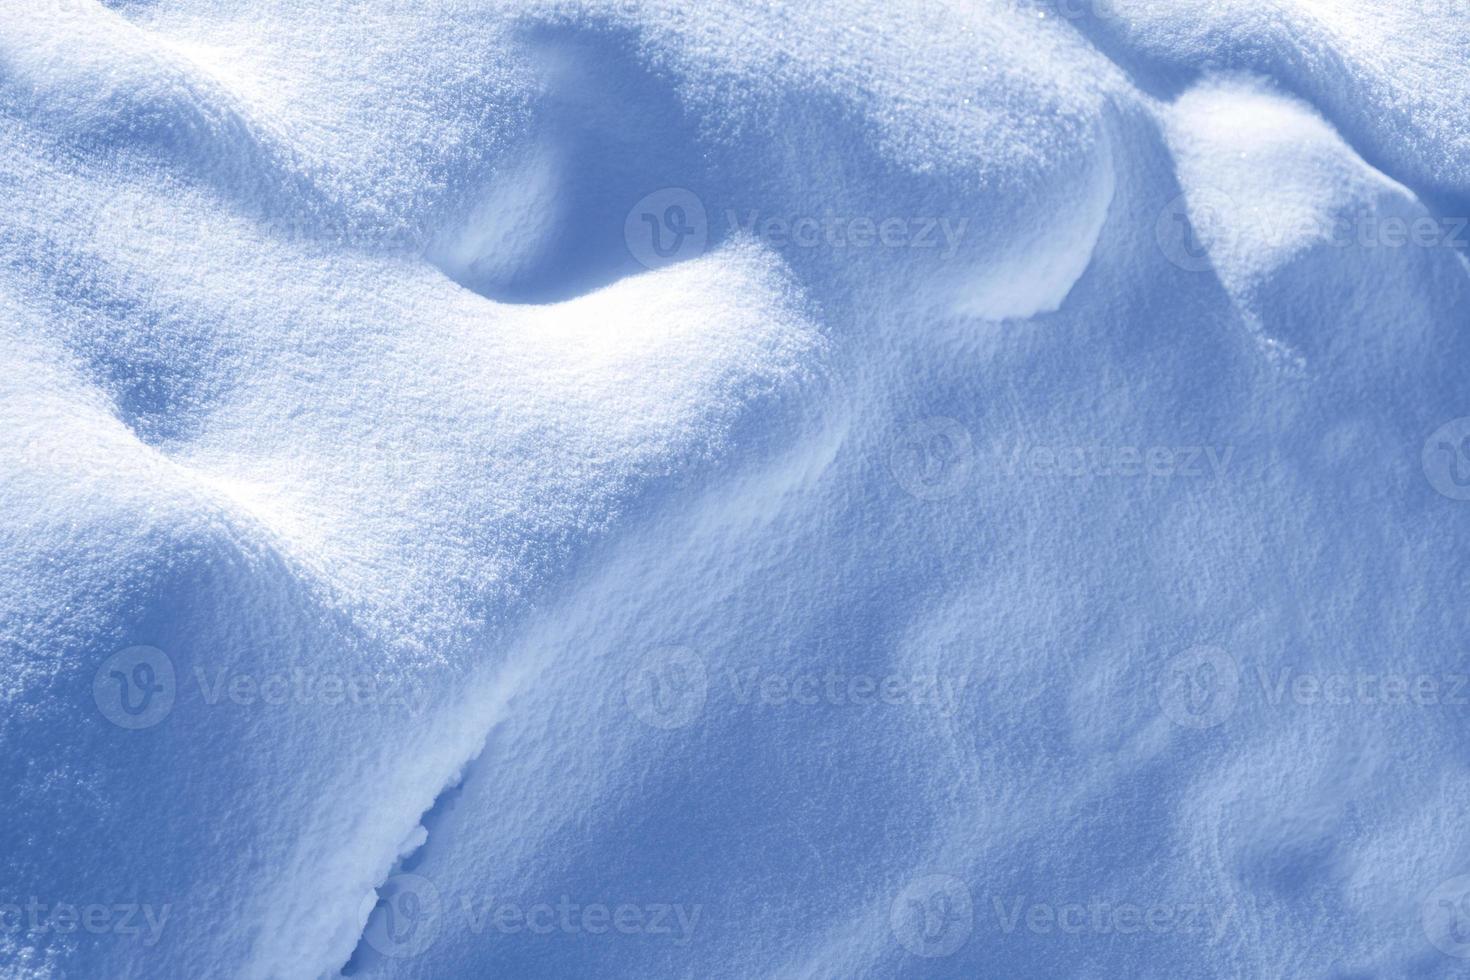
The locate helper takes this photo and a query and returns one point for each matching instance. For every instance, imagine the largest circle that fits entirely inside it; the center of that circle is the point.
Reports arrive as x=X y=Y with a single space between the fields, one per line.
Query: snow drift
x=638 y=489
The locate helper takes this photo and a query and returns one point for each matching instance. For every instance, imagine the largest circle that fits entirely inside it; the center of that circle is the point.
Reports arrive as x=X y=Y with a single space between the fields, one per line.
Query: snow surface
x=411 y=567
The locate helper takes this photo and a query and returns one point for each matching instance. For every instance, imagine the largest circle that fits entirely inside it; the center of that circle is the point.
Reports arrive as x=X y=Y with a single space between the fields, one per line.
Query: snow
x=625 y=488
x=1288 y=216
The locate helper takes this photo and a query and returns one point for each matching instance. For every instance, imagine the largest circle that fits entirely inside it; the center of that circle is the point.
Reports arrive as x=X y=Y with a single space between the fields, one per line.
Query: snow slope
x=643 y=489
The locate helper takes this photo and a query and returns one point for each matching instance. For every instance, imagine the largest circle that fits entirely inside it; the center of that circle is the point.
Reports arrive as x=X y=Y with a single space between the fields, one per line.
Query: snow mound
x=1390 y=76
x=1320 y=252
x=626 y=488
